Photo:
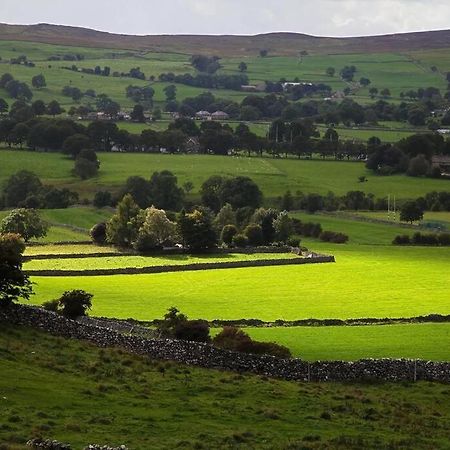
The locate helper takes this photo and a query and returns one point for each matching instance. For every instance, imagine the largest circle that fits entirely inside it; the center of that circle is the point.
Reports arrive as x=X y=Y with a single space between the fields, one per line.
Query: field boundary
x=207 y=356
x=182 y=267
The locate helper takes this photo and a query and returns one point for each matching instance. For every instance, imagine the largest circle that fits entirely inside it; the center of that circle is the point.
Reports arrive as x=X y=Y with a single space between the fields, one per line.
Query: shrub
x=240 y=241
x=334 y=237
x=51 y=305
x=75 y=303
x=98 y=233
x=102 y=198
x=232 y=338
x=293 y=242
x=424 y=239
x=193 y=330
x=444 y=239
x=402 y=240
x=228 y=233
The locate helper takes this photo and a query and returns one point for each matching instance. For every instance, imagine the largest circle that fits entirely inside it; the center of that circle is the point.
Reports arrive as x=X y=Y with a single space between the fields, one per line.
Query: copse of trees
x=207 y=80
x=208 y=64
x=27 y=223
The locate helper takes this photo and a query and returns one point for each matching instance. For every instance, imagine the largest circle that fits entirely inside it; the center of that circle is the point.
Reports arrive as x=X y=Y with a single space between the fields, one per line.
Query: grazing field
x=118 y=262
x=54 y=249
x=274 y=176
x=356 y=286
x=430 y=217
x=109 y=397
x=413 y=341
x=364 y=134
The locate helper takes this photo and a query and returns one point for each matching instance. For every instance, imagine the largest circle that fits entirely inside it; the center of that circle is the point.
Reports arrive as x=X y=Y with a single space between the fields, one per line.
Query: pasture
x=349 y=343
x=386 y=70
x=109 y=397
x=273 y=176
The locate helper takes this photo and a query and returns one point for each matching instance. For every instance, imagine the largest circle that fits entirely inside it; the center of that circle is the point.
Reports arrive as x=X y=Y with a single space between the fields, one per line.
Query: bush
x=293 y=242
x=424 y=239
x=51 y=305
x=98 y=233
x=193 y=330
x=444 y=239
x=402 y=240
x=234 y=339
x=240 y=241
x=102 y=198
x=25 y=222
x=333 y=237
x=75 y=303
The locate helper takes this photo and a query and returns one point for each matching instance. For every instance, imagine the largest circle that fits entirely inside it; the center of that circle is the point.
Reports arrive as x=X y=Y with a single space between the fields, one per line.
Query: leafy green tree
x=39 y=107
x=156 y=230
x=283 y=227
x=364 y=82
x=196 y=230
x=226 y=216
x=38 y=81
x=418 y=166
x=287 y=201
x=240 y=240
x=19 y=186
x=228 y=233
x=54 y=108
x=75 y=143
x=138 y=113
x=254 y=234
x=24 y=222
x=171 y=92
x=75 y=303
x=3 y=106
x=331 y=71
x=411 y=211
x=84 y=168
x=102 y=199
x=98 y=233
x=14 y=284
x=165 y=192
x=264 y=218
x=122 y=228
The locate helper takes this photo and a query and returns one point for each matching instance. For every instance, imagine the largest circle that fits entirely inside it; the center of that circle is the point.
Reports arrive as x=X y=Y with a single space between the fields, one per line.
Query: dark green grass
x=76 y=393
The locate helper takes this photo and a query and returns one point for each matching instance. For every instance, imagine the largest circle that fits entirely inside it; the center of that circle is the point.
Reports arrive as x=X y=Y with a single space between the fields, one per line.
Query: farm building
x=203 y=115
x=220 y=115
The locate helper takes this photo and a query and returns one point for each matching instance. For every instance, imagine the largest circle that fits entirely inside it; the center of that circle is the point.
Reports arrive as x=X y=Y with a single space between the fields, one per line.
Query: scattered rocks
x=47 y=444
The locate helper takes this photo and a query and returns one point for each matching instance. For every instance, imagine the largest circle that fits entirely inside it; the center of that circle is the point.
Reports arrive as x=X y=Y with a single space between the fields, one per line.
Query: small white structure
x=203 y=115
x=219 y=115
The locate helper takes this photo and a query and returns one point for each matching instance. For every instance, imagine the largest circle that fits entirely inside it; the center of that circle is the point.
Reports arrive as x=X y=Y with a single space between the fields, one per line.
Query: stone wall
x=204 y=355
x=182 y=267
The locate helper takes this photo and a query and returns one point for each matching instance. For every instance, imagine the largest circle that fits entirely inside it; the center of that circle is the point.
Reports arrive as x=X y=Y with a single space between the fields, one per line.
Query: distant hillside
x=276 y=43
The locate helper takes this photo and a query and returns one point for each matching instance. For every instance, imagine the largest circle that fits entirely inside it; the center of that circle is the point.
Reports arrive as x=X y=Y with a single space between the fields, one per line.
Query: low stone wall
x=207 y=356
x=181 y=267
x=75 y=255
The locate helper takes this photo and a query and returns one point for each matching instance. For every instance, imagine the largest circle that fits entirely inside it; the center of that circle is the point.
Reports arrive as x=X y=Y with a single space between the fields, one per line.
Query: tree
x=254 y=234
x=263 y=53
x=75 y=143
x=364 y=82
x=242 y=67
x=418 y=166
x=313 y=203
x=84 y=168
x=385 y=93
x=54 y=108
x=39 y=107
x=265 y=218
x=196 y=230
x=373 y=92
x=240 y=192
x=25 y=222
x=14 y=284
x=122 y=228
x=137 y=115
x=165 y=192
x=411 y=211
x=171 y=92
x=331 y=71
x=156 y=231
x=102 y=199
x=98 y=233
x=283 y=227
x=228 y=233
x=226 y=216
x=19 y=186
x=75 y=303
x=38 y=81
x=3 y=106
x=5 y=79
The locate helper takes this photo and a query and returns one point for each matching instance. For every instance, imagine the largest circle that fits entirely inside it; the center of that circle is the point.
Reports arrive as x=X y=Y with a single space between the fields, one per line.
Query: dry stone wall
x=207 y=356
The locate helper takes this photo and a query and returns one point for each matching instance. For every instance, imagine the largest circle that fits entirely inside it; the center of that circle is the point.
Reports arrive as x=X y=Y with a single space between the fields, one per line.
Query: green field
x=54 y=249
x=109 y=397
x=430 y=217
x=414 y=341
x=274 y=176
x=385 y=70
x=353 y=287
x=118 y=262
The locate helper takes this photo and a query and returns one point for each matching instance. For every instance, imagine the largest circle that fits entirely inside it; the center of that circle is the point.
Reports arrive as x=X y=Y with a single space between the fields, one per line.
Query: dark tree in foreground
x=411 y=211
x=14 y=284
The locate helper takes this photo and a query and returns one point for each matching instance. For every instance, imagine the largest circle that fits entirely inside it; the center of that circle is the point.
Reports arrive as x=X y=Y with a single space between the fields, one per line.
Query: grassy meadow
x=273 y=176
x=109 y=397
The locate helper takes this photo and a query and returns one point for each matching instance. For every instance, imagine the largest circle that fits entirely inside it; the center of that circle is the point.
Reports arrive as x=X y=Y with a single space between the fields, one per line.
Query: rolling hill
x=286 y=44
